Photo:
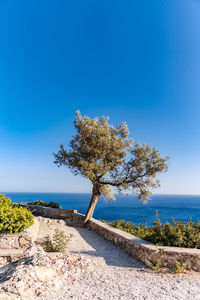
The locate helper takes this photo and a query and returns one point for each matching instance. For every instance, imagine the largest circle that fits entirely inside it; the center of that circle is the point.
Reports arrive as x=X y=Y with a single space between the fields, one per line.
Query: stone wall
x=20 y=240
x=132 y=245
x=145 y=251
x=71 y=216
x=189 y=256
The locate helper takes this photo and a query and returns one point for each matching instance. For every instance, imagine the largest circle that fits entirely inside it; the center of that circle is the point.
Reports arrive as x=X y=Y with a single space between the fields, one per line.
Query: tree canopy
x=105 y=155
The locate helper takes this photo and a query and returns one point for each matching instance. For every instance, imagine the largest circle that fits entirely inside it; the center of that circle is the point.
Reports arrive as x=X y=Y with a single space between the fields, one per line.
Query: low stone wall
x=71 y=216
x=189 y=256
x=48 y=212
x=20 y=240
x=132 y=245
x=148 y=252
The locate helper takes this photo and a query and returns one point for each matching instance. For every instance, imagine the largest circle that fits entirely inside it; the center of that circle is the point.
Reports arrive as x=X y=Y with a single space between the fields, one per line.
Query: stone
x=24 y=243
x=3 y=261
x=9 y=241
x=33 y=250
x=44 y=273
x=41 y=274
x=20 y=240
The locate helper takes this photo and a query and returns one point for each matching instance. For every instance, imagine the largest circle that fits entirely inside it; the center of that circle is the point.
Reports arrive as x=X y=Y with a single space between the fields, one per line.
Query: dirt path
x=117 y=275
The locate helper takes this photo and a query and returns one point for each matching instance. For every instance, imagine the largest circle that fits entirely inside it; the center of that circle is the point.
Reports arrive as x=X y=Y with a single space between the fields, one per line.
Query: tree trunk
x=95 y=196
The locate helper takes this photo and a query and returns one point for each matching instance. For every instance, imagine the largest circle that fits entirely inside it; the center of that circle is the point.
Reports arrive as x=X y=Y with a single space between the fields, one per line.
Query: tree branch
x=123 y=181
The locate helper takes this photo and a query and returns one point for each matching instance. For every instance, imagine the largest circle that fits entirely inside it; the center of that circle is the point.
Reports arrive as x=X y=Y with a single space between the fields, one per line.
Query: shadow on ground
x=8 y=270
x=112 y=255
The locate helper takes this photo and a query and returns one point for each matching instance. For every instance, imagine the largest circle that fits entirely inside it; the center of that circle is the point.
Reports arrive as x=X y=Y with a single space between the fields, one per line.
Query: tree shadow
x=8 y=270
x=102 y=248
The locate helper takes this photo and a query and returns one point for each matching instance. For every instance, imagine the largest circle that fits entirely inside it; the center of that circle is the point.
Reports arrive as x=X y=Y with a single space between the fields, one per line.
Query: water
x=180 y=207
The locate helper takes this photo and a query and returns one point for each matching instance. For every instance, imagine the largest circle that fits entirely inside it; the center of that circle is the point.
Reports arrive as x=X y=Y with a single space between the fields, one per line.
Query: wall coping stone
x=180 y=250
x=123 y=234
x=144 y=243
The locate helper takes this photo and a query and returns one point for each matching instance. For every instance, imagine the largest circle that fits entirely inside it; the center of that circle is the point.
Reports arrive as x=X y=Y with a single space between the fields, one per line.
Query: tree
x=105 y=155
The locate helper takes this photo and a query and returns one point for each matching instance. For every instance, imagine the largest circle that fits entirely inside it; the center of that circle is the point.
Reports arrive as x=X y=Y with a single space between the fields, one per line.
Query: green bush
x=44 y=203
x=58 y=243
x=155 y=266
x=37 y=202
x=4 y=200
x=179 y=267
x=53 y=204
x=178 y=234
x=13 y=218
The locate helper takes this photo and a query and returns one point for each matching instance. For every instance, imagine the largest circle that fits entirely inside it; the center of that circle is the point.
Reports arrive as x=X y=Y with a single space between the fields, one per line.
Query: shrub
x=53 y=204
x=38 y=202
x=4 y=200
x=13 y=218
x=154 y=265
x=178 y=234
x=44 y=203
x=58 y=243
x=179 y=267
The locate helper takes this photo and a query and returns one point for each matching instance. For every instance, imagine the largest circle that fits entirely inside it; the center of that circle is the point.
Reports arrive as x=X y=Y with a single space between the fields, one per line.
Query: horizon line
x=86 y=193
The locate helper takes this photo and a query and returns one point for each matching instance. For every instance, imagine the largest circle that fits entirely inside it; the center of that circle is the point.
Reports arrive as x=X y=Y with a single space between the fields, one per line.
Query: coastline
x=124 y=207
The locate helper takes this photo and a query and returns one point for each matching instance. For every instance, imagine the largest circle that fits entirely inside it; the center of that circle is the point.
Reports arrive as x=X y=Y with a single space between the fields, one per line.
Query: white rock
x=44 y=273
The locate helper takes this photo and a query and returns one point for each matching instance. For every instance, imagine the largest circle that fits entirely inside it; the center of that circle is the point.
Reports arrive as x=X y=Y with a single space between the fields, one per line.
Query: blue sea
x=180 y=207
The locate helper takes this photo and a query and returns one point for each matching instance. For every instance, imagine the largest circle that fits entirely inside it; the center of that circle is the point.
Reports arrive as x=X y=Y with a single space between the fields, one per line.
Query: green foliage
x=104 y=154
x=178 y=234
x=154 y=265
x=179 y=267
x=13 y=218
x=48 y=245
x=136 y=230
x=38 y=202
x=44 y=203
x=58 y=243
x=53 y=204
x=4 y=201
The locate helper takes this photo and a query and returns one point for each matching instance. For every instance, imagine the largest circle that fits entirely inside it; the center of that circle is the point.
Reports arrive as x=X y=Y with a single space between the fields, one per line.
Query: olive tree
x=105 y=155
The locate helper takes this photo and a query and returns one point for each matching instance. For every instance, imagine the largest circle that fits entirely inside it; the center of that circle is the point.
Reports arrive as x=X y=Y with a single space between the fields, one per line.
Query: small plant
x=58 y=243
x=179 y=267
x=156 y=261
x=154 y=265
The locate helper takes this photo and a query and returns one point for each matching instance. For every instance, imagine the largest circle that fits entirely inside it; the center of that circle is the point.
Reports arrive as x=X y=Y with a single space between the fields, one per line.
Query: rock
x=19 y=240
x=3 y=261
x=33 y=250
x=41 y=274
x=9 y=241
x=9 y=297
x=44 y=273
x=59 y=264
x=24 y=242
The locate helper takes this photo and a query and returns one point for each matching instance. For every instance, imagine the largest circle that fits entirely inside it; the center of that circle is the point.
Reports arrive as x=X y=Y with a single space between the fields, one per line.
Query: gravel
x=95 y=269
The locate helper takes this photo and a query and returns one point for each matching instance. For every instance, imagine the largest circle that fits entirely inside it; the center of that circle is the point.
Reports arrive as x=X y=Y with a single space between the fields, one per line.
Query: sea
x=126 y=207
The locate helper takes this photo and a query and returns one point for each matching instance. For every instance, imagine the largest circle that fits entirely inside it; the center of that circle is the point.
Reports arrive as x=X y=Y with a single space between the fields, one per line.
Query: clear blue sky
x=137 y=61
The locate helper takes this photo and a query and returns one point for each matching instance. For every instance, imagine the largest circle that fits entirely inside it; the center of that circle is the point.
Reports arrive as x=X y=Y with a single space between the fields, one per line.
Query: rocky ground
x=92 y=268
